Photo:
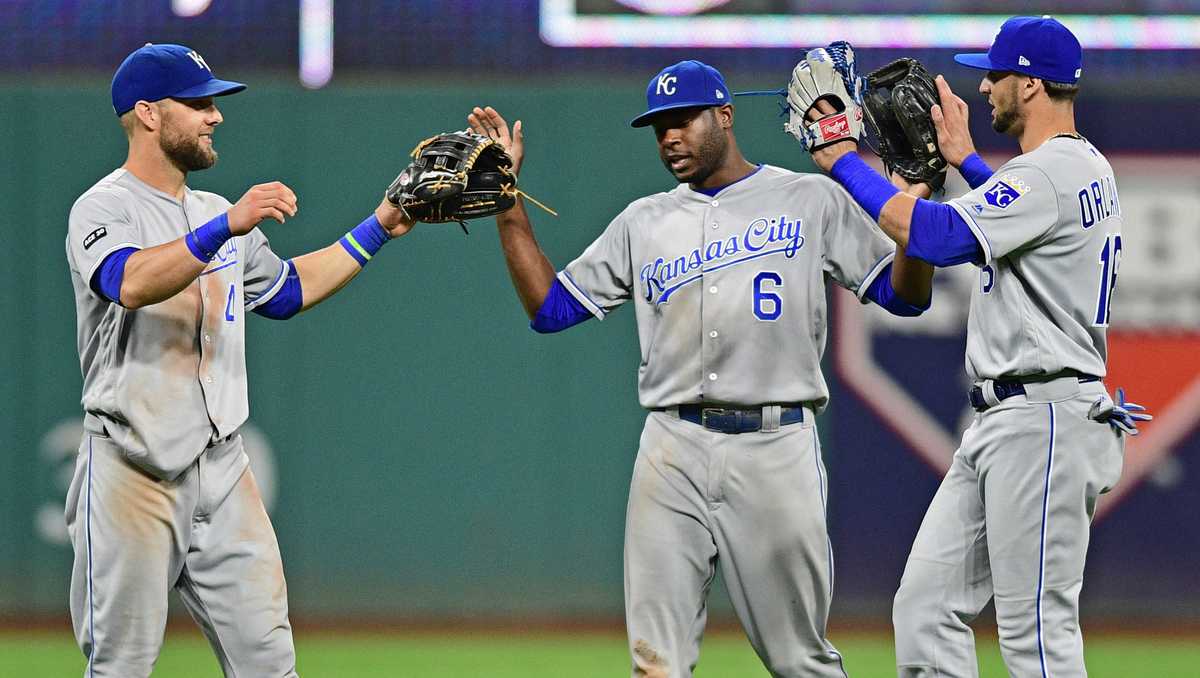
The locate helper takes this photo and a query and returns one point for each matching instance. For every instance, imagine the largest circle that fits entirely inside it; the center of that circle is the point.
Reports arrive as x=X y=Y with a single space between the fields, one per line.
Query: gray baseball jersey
x=729 y=293
x=1011 y=520
x=1049 y=223
x=162 y=496
x=168 y=379
x=730 y=289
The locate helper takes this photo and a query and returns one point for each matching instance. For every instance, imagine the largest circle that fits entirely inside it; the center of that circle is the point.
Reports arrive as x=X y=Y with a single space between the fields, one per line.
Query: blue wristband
x=365 y=239
x=975 y=170
x=864 y=184
x=206 y=241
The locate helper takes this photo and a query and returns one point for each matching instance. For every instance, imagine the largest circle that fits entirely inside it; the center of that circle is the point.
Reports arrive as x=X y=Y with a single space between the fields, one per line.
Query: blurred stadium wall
x=489 y=480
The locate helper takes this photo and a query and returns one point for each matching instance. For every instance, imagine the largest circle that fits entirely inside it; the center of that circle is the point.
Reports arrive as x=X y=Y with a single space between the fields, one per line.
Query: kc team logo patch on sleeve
x=1005 y=191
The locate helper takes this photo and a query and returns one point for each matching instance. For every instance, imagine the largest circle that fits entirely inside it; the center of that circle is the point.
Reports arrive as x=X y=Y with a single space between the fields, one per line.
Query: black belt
x=737 y=420
x=1008 y=389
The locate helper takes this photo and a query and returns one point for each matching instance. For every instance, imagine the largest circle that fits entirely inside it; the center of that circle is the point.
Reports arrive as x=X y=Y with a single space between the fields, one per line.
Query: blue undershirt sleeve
x=882 y=293
x=938 y=235
x=975 y=170
x=106 y=280
x=287 y=301
x=559 y=311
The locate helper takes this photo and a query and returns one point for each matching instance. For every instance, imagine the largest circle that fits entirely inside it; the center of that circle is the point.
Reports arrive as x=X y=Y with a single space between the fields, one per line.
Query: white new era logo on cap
x=1022 y=61
x=719 y=94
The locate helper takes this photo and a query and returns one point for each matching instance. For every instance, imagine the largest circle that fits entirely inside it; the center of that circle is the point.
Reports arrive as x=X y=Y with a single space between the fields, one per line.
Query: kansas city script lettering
x=762 y=237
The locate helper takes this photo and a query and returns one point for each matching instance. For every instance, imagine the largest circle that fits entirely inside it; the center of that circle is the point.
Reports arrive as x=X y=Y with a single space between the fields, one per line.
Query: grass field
x=559 y=655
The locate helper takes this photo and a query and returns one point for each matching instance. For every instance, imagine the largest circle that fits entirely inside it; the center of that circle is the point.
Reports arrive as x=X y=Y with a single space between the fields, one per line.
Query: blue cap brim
x=644 y=119
x=212 y=88
x=977 y=60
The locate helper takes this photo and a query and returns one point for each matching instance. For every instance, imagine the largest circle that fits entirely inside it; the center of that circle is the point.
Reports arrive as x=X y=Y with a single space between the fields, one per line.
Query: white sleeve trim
x=873 y=274
x=975 y=230
x=100 y=260
x=271 y=291
x=581 y=296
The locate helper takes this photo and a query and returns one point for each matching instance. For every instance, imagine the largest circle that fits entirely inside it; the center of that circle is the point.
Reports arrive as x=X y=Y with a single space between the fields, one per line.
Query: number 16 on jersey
x=1110 y=261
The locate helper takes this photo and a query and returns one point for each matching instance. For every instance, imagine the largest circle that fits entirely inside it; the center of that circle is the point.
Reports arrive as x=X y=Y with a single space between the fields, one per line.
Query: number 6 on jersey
x=767 y=305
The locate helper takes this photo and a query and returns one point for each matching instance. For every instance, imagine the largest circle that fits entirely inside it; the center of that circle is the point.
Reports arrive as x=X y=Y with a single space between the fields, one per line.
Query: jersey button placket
x=711 y=244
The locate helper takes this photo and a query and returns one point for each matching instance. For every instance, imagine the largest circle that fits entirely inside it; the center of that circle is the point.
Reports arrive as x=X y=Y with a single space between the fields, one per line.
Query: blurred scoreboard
x=311 y=37
x=1137 y=24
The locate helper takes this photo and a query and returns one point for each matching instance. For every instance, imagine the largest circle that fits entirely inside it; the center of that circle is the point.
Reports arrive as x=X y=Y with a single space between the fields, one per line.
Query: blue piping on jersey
x=598 y=310
x=284 y=270
x=91 y=591
x=828 y=541
x=217 y=268
x=1042 y=545
x=712 y=192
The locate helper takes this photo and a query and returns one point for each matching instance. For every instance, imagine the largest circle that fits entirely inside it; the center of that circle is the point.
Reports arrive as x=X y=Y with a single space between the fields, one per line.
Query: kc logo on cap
x=666 y=84
x=683 y=85
x=157 y=72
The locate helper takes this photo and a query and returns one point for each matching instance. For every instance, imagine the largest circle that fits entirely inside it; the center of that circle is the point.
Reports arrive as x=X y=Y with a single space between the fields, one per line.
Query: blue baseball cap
x=1038 y=46
x=683 y=85
x=156 y=72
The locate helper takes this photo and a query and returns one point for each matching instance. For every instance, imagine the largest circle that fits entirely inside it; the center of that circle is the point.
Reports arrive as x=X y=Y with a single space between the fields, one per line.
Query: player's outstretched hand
x=488 y=122
x=265 y=201
x=393 y=218
x=1121 y=415
x=950 y=120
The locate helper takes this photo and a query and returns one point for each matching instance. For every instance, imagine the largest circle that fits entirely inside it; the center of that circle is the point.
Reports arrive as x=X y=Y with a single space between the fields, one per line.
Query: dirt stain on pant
x=648 y=662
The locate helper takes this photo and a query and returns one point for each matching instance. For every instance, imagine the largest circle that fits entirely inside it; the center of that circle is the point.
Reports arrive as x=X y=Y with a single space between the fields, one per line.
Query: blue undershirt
x=106 y=280
x=936 y=233
x=287 y=301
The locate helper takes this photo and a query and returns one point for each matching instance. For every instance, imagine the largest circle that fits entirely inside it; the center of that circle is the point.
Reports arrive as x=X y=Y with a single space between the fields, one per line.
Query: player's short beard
x=710 y=155
x=1007 y=121
x=185 y=152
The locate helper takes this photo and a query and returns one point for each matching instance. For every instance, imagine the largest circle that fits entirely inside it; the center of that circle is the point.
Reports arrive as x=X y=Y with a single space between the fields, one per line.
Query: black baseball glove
x=897 y=103
x=455 y=176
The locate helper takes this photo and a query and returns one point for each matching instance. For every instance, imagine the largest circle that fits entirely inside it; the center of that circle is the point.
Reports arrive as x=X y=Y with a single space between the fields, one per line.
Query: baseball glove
x=455 y=176
x=897 y=102
x=825 y=74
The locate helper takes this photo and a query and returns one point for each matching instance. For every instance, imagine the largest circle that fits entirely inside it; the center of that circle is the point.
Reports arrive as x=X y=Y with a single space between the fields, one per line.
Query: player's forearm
x=896 y=218
x=531 y=272
x=912 y=279
x=324 y=272
x=158 y=273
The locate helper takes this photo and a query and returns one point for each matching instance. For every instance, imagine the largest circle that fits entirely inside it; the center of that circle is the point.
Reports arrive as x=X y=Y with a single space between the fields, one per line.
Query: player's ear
x=724 y=115
x=149 y=114
x=1029 y=86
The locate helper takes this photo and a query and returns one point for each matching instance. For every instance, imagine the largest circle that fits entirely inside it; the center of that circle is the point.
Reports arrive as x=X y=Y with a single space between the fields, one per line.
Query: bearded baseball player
x=1011 y=519
x=727 y=274
x=164 y=275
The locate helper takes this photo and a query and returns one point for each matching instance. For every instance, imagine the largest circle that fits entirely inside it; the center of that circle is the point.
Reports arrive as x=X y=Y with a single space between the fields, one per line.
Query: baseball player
x=1011 y=520
x=727 y=274
x=164 y=275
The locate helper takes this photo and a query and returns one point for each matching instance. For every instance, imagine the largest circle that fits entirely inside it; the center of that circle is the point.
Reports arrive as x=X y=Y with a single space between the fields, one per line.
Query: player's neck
x=735 y=167
x=1041 y=126
x=153 y=168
